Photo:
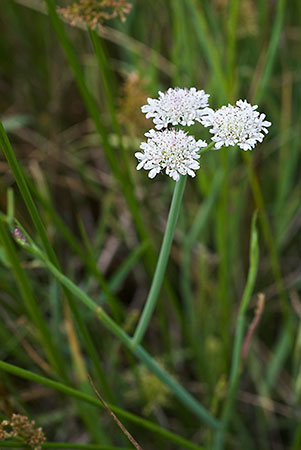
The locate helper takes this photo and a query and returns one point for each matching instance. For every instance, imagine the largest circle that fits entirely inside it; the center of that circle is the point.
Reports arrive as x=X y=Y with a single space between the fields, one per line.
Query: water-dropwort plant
x=177 y=153
x=140 y=224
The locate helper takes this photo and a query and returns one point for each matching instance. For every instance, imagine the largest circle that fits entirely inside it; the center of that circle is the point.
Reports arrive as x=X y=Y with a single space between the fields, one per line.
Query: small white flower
x=240 y=124
x=170 y=150
x=176 y=106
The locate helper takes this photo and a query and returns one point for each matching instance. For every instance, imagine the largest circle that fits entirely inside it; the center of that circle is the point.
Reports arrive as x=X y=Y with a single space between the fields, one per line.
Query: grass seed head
x=95 y=12
x=21 y=427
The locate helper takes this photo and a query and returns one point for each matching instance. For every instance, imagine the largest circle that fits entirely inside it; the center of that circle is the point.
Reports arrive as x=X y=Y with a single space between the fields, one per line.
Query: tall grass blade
x=67 y=390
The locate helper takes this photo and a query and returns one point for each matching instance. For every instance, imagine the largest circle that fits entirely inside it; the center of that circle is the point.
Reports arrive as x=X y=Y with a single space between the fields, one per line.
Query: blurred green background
x=105 y=220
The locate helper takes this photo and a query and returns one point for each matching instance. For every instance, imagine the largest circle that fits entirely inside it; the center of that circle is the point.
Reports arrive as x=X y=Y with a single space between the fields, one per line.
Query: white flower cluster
x=176 y=106
x=174 y=150
x=240 y=124
x=170 y=150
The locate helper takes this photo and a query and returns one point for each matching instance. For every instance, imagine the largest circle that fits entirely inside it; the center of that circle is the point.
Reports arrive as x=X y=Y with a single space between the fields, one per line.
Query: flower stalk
x=206 y=149
x=162 y=262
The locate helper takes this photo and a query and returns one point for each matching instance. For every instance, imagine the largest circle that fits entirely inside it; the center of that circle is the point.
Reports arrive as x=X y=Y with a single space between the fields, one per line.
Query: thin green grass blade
x=53 y=353
x=92 y=107
x=271 y=52
x=10 y=207
x=296 y=444
x=183 y=58
x=239 y=336
x=67 y=390
x=200 y=221
x=175 y=387
x=280 y=354
x=208 y=46
x=112 y=300
x=24 y=190
x=31 y=304
x=20 y=179
x=108 y=81
x=269 y=239
x=122 y=272
x=288 y=166
x=232 y=45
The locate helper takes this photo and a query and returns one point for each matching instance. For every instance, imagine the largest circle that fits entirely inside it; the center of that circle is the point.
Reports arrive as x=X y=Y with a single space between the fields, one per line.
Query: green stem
x=160 y=373
x=181 y=393
x=162 y=262
x=31 y=376
x=239 y=335
x=10 y=207
x=206 y=149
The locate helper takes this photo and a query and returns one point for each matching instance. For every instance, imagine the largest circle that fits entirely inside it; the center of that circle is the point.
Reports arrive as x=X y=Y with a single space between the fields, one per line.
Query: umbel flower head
x=170 y=150
x=240 y=124
x=176 y=106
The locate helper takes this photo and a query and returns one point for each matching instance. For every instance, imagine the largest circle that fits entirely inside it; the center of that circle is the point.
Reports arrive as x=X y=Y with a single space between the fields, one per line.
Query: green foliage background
x=70 y=103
